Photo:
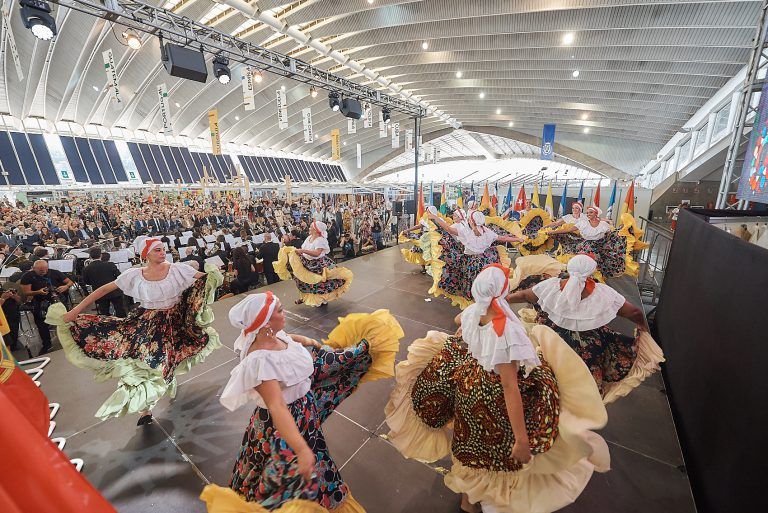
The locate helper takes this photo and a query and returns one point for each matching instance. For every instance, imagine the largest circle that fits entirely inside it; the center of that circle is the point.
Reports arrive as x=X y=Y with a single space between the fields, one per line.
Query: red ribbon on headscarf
x=147 y=244
x=499 y=317
x=262 y=315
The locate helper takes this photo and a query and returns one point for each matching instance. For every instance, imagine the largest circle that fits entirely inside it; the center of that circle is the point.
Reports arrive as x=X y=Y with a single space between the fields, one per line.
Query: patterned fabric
x=316 y=266
x=610 y=251
x=160 y=338
x=471 y=265
x=568 y=243
x=266 y=469
x=609 y=355
x=455 y=387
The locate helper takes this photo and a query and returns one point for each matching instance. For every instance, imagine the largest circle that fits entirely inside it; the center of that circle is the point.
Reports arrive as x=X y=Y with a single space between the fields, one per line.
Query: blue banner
x=548 y=142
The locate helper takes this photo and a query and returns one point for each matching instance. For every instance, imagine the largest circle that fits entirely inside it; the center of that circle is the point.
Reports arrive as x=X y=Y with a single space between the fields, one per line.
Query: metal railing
x=653 y=260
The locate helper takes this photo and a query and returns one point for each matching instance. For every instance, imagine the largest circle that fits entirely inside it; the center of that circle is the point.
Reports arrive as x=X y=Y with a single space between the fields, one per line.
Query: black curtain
x=711 y=320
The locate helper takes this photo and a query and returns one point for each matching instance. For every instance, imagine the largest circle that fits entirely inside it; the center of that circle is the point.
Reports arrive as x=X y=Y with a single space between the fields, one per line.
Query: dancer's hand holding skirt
x=265 y=477
x=445 y=403
x=319 y=280
x=144 y=351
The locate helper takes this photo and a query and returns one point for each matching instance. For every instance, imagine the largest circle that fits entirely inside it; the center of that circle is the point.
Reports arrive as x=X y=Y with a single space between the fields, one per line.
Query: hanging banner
x=548 y=142
x=246 y=78
x=109 y=68
x=431 y=153
x=351 y=126
x=382 y=126
x=395 y=135
x=12 y=43
x=359 y=156
x=367 y=115
x=335 y=144
x=436 y=157
x=213 y=122
x=409 y=140
x=165 y=109
x=306 y=116
x=282 y=110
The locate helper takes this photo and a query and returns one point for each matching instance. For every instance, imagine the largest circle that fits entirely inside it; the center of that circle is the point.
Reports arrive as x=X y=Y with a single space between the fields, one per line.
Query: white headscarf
x=250 y=315
x=478 y=218
x=580 y=268
x=321 y=227
x=596 y=209
x=488 y=290
x=462 y=215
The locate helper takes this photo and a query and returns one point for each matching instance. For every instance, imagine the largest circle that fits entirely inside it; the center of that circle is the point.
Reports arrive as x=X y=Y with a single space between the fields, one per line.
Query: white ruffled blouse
x=292 y=368
x=157 y=294
x=490 y=350
x=570 y=219
x=589 y=232
x=318 y=243
x=476 y=244
x=594 y=311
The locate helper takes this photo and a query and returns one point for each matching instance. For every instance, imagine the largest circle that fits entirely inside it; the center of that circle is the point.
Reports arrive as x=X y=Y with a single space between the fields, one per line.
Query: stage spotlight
x=132 y=40
x=36 y=16
x=313 y=92
x=333 y=101
x=258 y=76
x=385 y=115
x=221 y=69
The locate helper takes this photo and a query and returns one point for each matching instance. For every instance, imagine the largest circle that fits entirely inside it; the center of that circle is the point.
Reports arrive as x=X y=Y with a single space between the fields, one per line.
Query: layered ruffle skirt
x=445 y=403
x=144 y=351
x=319 y=280
x=265 y=476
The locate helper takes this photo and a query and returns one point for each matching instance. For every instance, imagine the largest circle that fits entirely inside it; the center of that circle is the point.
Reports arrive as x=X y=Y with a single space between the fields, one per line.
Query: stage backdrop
x=711 y=321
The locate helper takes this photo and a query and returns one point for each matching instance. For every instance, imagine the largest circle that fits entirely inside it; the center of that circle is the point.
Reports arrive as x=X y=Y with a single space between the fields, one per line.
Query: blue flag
x=508 y=198
x=609 y=212
x=472 y=191
x=432 y=193
x=548 y=142
x=563 y=200
x=581 y=193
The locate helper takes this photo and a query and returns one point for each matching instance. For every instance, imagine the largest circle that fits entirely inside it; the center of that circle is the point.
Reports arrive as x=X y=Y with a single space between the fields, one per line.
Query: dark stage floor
x=194 y=440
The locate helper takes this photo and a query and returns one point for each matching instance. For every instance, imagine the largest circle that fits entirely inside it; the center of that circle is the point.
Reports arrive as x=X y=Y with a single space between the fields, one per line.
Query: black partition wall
x=711 y=322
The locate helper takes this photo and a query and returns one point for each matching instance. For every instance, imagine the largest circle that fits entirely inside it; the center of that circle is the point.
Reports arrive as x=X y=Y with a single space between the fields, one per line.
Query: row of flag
x=523 y=203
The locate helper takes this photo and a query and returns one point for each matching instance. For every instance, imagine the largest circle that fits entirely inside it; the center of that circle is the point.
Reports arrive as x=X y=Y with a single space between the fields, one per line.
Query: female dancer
x=318 y=277
x=162 y=338
x=574 y=218
x=579 y=310
x=296 y=384
x=454 y=279
x=506 y=403
x=420 y=252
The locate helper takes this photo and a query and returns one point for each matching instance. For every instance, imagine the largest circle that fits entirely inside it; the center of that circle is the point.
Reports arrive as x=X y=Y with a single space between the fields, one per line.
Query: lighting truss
x=183 y=31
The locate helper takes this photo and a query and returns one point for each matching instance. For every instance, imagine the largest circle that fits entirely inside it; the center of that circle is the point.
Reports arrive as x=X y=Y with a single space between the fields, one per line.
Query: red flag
x=35 y=475
x=420 y=211
x=596 y=201
x=521 y=202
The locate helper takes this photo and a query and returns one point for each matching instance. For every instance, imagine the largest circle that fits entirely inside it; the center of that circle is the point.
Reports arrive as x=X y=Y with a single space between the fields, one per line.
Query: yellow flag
x=535 y=199
x=213 y=122
x=335 y=144
x=549 y=206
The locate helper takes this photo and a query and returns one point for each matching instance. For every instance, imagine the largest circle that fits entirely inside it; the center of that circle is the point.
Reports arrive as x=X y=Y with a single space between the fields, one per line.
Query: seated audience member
x=244 y=270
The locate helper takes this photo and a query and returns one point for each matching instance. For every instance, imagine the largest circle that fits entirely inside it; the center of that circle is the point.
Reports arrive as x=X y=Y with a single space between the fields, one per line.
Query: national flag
x=443 y=202
x=629 y=202
x=495 y=197
x=460 y=198
x=548 y=206
x=521 y=201
x=472 y=191
x=535 y=196
x=508 y=198
x=564 y=200
x=485 y=202
x=596 y=200
x=581 y=193
x=420 y=211
x=609 y=213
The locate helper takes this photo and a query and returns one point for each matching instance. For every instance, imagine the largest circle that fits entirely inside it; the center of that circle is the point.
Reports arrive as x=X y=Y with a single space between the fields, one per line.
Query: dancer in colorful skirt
x=160 y=339
x=579 y=310
x=453 y=277
x=317 y=276
x=535 y=237
x=420 y=251
x=516 y=421
x=296 y=384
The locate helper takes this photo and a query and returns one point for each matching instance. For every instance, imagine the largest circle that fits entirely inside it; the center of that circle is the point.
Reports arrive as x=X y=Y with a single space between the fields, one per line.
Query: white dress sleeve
x=127 y=281
x=181 y=276
x=255 y=369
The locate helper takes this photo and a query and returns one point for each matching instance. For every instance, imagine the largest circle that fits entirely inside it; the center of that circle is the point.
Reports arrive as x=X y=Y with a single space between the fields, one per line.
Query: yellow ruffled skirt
x=319 y=281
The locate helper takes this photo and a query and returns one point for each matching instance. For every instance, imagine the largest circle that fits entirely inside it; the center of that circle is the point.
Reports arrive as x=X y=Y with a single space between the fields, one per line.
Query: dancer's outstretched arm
x=521 y=451
x=310 y=252
x=89 y=300
x=509 y=238
x=286 y=426
x=522 y=296
x=450 y=229
x=554 y=224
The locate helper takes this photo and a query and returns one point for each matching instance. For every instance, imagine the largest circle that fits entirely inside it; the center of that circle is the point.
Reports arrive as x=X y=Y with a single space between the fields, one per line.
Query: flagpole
x=416 y=127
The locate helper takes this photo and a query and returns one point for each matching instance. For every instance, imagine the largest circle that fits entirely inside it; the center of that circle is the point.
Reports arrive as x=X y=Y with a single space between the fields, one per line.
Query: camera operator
x=45 y=287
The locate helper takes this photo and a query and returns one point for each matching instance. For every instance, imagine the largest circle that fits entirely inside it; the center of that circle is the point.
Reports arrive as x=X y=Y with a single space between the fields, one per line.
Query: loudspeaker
x=184 y=62
x=397 y=208
x=351 y=108
x=410 y=207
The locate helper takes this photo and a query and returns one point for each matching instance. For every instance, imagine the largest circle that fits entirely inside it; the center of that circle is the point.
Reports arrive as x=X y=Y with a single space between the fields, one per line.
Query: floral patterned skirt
x=568 y=243
x=266 y=470
x=455 y=387
x=471 y=265
x=316 y=266
x=610 y=252
x=609 y=355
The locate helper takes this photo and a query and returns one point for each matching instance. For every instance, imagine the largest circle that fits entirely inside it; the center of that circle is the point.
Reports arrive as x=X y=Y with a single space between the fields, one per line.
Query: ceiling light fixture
x=221 y=69
x=498 y=111
x=132 y=40
x=313 y=92
x=584 y=116
x=424 y=45
x=258 y=76
x=237 y=118
x=575 y=73
x=511 y=123
x=334 y=101
x=568 y=38
x=586 y=129
x=177 y=104
x=459 y=74
x=482 y=95
x=36 y=16
x=95 y=88
x=282 y=87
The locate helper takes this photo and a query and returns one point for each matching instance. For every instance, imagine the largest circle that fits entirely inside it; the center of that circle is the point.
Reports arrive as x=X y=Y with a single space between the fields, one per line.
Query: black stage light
x=183 y=62
x=221 y=69
x=333 y=101
x=385 y=115
x=351 y=108
x=36 y=16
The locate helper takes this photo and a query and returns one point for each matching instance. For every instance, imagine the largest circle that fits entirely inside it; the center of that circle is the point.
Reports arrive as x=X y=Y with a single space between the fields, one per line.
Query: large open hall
x=383 y=256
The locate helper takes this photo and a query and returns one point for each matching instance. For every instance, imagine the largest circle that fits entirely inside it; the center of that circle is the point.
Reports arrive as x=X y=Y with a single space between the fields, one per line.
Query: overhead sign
x=109 y=68
x=367 y=115
x=409 y=140
x=382 y=126
x=213 y=122
x=351 y=126
x=165 y=109
x=335 y=144
x=548 y=142
x=246 y=78
x=282 y=110
x=359 y=156
x=306 y=116
x=395 y=135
